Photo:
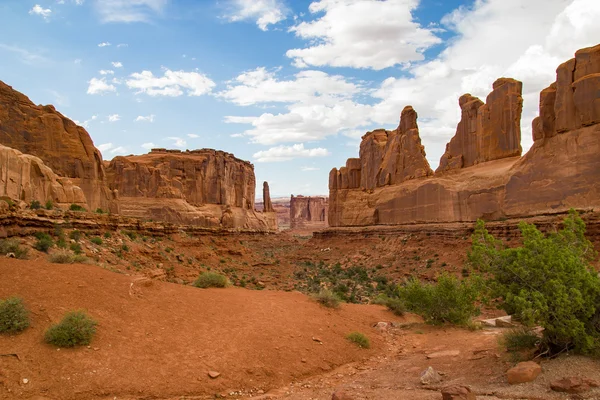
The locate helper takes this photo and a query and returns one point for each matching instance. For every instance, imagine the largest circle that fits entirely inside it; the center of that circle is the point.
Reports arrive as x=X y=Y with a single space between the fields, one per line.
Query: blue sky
x=288 y=85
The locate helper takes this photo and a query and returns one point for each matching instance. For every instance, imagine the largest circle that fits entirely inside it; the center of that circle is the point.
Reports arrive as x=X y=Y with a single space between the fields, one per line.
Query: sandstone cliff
x=309 y=212
x=63 y=146
x=26 y=177
x=200 y=187
x=481 y=174
x=267 y=205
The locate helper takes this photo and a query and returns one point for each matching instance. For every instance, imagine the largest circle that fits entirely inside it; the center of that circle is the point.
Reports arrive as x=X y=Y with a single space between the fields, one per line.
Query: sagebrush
x=75 y=329
x=14 y=317
x=211 y=280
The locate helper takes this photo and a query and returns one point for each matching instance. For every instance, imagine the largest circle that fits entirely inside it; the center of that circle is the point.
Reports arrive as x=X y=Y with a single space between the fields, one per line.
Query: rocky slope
x=481 y=174
x=199 y=187
x=308 y=212
x=64 y=146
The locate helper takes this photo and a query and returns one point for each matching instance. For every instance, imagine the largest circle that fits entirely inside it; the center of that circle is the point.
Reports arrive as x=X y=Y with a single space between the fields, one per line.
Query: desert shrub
x=125 y=248
x=97 y=241
x=548 y=281
x=75 y=235
x=8 y=200
x=395 y=305
x=61 y=257
x=107 y=235
x=75 y=329
x=132 y=235
x=49 y=205
x=14 y=317
x=99 y=211
x=35 y=205
x=76 y=207
x=448 y=300
x=76 y=248
x=211 y=280
x=327 y=298
x=13 y=246
x=44 y=242
x=359 y=339
x=521 y=338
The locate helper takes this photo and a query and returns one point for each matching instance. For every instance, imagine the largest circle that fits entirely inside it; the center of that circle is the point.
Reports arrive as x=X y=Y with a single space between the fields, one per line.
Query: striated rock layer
x=200 y=187
x=481 y=174
x=64 y=147
x=25 y=177
x=309 y=212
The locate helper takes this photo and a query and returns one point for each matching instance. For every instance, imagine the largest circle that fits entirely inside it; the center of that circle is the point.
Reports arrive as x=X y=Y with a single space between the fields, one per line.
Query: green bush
x=76 y=248
x=327 y=298
x=49 y=205
x=396 y=306
x=13 y=246
x=448 y=300
x=548 y=282
x=75 y=235
x=518 y=339
x=359 y=339
x=44 y=242
x=97 y=241
x=107 y=235
x=75 y=329
x=35 y=205
x=77 y=207
x=211 y=280
x=99 y=211
x=65 y=257
x=14 y=317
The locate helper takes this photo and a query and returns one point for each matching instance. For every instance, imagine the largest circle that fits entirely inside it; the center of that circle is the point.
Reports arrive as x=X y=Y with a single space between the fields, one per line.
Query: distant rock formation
x=200 y=187
x=489 y=131
x=308 y=212
x=63 y=146
x=267 y=205
x=26 y=177
x=481 y=174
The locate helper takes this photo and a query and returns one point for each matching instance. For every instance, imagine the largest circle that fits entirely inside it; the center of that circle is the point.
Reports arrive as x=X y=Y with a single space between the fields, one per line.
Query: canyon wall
x=309 y=213
x=200 y=187
x=64 y=146
x=481 y=174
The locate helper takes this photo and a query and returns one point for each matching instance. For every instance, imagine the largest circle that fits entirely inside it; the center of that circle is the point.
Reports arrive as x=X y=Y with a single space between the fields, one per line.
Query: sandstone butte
x=308 y=212
x=46 y=156
x=482 y=173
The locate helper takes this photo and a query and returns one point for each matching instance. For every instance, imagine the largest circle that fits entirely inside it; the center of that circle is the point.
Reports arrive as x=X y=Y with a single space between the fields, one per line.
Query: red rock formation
x=63 y=146
x=200 y=187
x=489 y=131
x=267 y=205
x=560 y=171
x=308 y=212
x=26 y=177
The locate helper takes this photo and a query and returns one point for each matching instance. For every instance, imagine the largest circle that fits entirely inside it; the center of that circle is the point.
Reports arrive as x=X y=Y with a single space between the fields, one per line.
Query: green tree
x=548 y=281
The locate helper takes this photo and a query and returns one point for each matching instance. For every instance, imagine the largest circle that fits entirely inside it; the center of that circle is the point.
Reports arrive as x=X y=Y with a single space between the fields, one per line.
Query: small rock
x=573 y=384
x=430 y=377
x=11 y=255
x=303 y=360
x=214 y=374
x=458 y=393
x=25 y=381
x=316 y=339
x=523 y=372
x=341 y=395
x=445 y=353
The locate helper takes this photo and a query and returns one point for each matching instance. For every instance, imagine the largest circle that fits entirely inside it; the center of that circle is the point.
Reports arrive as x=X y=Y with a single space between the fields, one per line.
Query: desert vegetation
x=75 y=329
x=14 y=317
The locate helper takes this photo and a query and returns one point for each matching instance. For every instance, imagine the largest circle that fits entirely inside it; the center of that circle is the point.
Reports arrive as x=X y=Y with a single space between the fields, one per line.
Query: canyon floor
x=158 y=337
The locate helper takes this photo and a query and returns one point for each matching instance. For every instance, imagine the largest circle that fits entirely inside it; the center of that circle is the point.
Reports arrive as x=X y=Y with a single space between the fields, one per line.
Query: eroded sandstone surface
x=308 y=212
x=482 y=175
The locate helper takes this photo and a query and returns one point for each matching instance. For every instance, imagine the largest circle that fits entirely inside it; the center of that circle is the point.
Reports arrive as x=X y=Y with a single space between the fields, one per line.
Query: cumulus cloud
x=172 y=83
x=148 y=146
x=127 y=11
x=263 y=12
x=147 y=118
x=100 y=86
x=105 y=146
x=114 y=118
x=39 y=10
x=362 y=34
x=285 y=153
x=104 y=44
x=107 y=72
x=119 y=151
x=193 y=135
x=177 y=141
x=117 y=64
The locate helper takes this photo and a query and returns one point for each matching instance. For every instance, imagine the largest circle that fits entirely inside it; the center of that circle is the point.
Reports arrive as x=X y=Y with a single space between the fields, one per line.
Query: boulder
x=458 y=393
x=341 y=395
x=523 y=372
x=573 y=384
x=430 y=377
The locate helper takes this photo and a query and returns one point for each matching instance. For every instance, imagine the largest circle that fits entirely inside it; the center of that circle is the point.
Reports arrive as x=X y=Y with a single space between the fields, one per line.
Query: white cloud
x=114 y=118
x=264 y=12
x=119 y=151
x=148 y=118
x=305 y=169
x=100 y=86
x=78 y=61
x=117 y=64
x=172 y=83
x=178 y=142
x=105 y=147
x=193 y=135
x=148 y=146
x=362 y=34
x=104 y=44
x=26 y=56
x=285 y=153
x=39 y=10
x=128 y=10
x=86 y=123
x=122 y=45
x=107 y=72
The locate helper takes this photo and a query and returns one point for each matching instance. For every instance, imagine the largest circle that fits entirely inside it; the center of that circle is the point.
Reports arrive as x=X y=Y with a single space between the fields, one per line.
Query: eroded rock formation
x=481 y=175
x=63 y=146
x=199 y=187
x=309 y=212
x=26 y=177
x=489 y=131
x=267 y=205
